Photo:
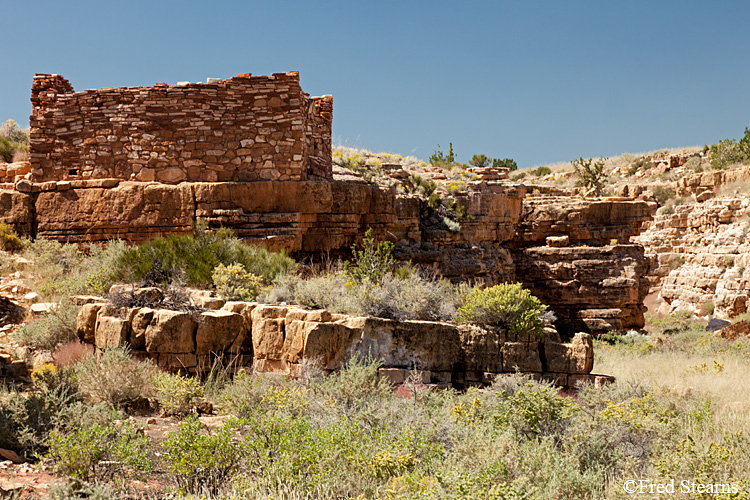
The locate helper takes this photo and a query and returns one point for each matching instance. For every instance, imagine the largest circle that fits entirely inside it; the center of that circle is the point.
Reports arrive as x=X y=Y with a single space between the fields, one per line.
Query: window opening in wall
x=73 y=171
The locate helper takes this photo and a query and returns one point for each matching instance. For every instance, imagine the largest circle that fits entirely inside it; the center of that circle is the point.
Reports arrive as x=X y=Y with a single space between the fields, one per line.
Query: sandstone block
x=398 y=376
x=243 y=343
x=217 y=331
x=111 y=331
x=482 y=348
x=138 y=326
x=734 y=331
x=704 y=195
x=268 y=338
x=86 y=322
x=170 y=332
x=171 y=175
x=522 y=356
x=558 y=241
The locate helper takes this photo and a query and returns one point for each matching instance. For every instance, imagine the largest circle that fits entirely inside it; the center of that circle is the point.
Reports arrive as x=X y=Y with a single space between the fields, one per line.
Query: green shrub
x=412 y=296
x=113 y=376
x=232 y=282
x=508 y=163
x=694 y=164
x=99 y=451
x=58 y=326
x=9 y=240
x=372 y=262
x=325 y=292
x=356 y=382
x=27 y=419
x=176 y=393
x=201 y=459
x=538 y=410
x=663 y=194
x=725 y=153
x=194 y=258
x=506 y=305
x=540 y=171
x=65 y=270
x=480 y=161
x=11 y=131
x=592 y=173
x=517 y=176
x=9 y=149
x=440 y=159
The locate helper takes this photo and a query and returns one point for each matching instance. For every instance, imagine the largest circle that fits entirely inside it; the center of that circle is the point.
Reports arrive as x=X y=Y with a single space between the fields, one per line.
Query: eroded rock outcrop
x=279 y=339
x=701 y=252
x=589 y=288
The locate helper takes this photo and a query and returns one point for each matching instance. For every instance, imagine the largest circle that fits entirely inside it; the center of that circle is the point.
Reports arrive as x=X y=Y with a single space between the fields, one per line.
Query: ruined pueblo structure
x=253 y=153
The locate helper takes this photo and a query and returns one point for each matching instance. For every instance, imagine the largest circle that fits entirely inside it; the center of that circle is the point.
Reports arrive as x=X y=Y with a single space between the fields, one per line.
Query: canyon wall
x=702 y=257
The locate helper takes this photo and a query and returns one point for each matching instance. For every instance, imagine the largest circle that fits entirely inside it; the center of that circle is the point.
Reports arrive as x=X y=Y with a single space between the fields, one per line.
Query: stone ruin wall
x=246 y=128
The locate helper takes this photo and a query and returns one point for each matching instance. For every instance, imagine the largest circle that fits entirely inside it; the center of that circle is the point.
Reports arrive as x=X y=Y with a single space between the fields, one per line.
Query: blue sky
x=538 y=81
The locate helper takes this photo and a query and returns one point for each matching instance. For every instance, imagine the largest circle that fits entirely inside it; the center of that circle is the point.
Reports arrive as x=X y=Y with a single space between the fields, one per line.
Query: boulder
x=112 y=331
x=86 y=322
x=217 y=330
x=171 y=332
x=734 y=331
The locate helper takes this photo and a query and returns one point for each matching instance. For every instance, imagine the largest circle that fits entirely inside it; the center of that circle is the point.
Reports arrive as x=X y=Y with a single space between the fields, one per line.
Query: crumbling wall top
x=243 y=128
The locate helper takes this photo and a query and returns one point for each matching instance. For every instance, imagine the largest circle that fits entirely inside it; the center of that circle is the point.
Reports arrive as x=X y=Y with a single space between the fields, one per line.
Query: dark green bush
x=194 y=258
x=480 y=161
x=592 y=173
x=506 y=305
x=728 y=152
x=540 y=171
x=508 y=163
x=440 y=159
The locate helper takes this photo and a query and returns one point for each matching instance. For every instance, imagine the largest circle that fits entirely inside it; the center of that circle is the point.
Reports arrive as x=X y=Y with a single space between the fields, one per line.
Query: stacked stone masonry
x=278 y=339
x=245 y=128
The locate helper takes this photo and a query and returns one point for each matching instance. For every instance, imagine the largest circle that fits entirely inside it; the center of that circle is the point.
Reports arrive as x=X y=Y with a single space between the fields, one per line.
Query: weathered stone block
x=171 y=332
x=217 y=331
x=86 y=322
x=522 y=356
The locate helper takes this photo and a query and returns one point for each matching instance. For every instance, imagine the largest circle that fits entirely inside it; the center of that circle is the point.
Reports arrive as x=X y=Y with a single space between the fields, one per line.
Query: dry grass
x=719 y=376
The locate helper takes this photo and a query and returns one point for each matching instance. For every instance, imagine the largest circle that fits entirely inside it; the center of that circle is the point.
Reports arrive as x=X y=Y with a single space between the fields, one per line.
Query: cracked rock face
x=281 y=339
x=702 y=257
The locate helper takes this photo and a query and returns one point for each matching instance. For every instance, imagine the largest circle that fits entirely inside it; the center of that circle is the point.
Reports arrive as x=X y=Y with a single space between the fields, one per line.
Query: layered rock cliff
x=594 y=282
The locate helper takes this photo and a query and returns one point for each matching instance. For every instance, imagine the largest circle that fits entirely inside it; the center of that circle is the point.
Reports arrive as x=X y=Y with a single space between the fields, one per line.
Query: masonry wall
x=246 y=128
